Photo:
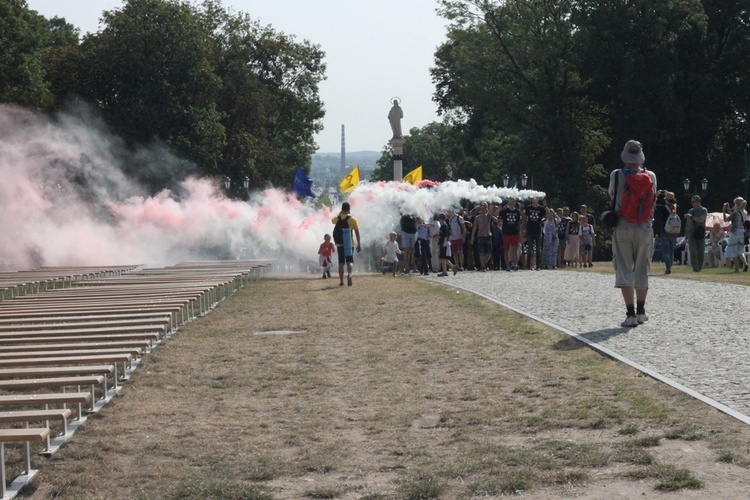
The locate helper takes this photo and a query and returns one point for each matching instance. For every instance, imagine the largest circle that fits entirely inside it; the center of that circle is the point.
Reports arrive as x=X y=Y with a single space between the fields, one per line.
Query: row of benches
x=90 y=336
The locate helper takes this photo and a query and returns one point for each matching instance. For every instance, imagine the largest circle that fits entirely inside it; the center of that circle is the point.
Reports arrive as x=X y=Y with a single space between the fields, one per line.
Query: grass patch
x=407 y=409
x=669 y=477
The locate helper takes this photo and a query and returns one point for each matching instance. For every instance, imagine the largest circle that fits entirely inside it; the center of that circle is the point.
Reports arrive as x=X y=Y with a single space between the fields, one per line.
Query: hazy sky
x=375 y=50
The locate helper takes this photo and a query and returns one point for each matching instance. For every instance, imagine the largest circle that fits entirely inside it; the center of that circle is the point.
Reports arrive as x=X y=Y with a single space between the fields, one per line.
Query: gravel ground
x=696 y=335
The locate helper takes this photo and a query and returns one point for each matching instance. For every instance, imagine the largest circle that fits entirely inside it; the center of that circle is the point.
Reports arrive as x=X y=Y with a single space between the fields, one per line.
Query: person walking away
x=392 y=251
x=511 y=223
x=633 y=188
x=458 y=236
x=481 y=235
x=408 y=241
x=534 y=215
x=423 y=246
x=325 y=251
x=551 y=240
x=344 y=230
x=735 y=252
x=695 y=232
x=445 y=247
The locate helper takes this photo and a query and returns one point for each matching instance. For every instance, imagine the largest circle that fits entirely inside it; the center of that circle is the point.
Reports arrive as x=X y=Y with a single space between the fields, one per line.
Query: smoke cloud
x=73 y=195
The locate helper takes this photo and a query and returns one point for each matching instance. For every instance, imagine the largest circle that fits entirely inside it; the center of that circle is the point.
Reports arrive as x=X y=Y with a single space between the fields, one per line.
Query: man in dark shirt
x=534 y=216
x=511 y=218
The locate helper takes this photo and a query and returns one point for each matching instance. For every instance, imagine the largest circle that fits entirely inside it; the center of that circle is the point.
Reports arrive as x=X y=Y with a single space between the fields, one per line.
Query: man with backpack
x=344 y=226
x=634 y=190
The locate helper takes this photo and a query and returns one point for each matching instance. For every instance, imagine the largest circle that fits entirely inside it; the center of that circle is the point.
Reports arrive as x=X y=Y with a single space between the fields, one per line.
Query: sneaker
x=349 y=280
x=507 y=269
x=384 y=270
x=324 y=276
x=668 y=271
x=341 y=283
x=641 y=318
x=455 y=270
x=443 y=274
x=328 y=273
x=629 y=322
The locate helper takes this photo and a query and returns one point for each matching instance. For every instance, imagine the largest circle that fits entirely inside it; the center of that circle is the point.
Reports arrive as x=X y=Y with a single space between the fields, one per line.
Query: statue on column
x=394 y=116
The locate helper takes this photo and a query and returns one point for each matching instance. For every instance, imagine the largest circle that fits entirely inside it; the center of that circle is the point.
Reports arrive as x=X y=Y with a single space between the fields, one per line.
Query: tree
x=28 y=50
x=150 y=71
x=507 y=76
x=269 y=96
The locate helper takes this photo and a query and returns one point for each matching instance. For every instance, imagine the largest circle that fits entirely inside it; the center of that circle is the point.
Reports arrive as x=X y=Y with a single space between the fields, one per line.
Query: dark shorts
x=535 y=243
x=343 y=259
x=484 y=244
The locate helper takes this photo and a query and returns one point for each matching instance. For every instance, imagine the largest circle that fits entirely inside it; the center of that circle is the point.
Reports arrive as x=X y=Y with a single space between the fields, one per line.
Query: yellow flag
x=350 y=181
x=414 y=176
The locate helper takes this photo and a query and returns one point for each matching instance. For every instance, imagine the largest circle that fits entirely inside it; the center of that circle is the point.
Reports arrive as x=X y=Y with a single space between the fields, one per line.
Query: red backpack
x=637 y=203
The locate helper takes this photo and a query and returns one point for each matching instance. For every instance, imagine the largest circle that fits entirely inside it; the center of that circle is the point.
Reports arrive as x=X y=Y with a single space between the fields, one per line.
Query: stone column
x=397 y=143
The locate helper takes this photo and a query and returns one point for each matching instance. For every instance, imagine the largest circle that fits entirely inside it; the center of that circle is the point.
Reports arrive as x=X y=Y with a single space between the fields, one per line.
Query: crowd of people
x=493 y=237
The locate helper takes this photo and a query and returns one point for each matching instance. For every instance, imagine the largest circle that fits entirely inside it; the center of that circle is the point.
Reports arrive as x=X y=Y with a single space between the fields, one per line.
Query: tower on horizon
x=342 y=164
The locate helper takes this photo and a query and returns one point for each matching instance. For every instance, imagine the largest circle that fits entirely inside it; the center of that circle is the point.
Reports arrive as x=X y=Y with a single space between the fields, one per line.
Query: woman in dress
x=735 y=252
x=551 y=242
x=573 y=246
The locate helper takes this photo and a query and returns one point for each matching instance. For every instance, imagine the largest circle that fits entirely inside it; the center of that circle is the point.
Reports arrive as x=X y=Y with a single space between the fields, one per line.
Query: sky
x=375 y=50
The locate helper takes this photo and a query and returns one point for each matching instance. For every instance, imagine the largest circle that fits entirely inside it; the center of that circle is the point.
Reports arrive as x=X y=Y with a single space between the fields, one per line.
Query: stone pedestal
x=397 y=143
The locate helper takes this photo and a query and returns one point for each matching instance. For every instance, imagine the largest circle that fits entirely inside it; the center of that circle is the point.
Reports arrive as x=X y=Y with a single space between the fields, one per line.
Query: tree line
x=547 y=88
x=228 y=95
x=554 y=88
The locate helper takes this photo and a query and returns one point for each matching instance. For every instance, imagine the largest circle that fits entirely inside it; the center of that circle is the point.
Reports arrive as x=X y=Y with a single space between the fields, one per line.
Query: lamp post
x=246 y=183
x=524 y=180
x=227 y=183
x=689 y=193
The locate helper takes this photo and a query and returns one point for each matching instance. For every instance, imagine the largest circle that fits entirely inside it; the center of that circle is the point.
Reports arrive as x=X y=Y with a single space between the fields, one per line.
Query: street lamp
x=525 y=180
x=227 y=182
x=246 y=183
x=703 y=182
x=506 y=180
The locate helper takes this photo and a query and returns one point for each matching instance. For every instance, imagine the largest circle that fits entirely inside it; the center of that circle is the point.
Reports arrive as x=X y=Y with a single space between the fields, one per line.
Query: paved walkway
x=697 y=334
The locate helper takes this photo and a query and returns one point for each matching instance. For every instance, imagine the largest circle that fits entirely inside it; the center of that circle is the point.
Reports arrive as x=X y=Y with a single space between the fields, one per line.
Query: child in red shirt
x=324 y=252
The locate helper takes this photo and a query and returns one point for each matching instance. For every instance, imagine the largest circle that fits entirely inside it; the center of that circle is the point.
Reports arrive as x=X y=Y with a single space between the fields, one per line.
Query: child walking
x=324 y=255
x=392 y=251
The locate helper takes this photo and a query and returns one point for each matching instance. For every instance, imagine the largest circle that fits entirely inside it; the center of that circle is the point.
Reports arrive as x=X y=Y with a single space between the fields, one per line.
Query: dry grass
x=393 y=388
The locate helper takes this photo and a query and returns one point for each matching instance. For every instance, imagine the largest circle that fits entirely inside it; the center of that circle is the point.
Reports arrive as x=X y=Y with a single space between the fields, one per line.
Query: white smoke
x=68 y=198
